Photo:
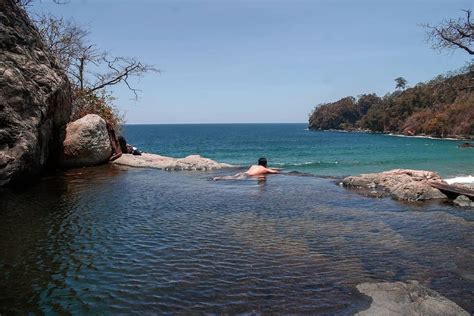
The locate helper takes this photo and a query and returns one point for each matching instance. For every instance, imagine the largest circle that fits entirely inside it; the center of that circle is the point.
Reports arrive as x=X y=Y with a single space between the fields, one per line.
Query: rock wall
x=35 y=99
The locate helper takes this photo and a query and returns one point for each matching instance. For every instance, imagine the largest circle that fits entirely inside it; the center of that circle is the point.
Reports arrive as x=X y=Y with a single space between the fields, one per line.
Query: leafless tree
x=23 y=3
x=120 y=69
x=26 y=3
x=453 y=33
x=65 y=39
x=88 y=68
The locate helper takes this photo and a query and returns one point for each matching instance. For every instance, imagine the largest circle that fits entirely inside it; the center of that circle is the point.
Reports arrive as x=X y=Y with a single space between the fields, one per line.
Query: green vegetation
x=442 y=107
x=401 y=83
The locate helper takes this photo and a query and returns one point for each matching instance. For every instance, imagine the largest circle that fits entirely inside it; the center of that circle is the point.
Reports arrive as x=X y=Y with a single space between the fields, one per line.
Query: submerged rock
x=407 y=298
x=401 y=184
x=35 y=99
x=87 y=142
x=463 y=201
x=193 y=162
x=466 y=145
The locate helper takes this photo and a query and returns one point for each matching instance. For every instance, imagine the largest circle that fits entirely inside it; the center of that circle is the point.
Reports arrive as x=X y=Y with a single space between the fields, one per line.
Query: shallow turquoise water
x=293 y=147
x=107 y=241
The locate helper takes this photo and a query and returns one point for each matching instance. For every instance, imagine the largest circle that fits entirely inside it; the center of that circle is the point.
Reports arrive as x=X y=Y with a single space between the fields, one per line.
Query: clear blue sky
x=262 y=61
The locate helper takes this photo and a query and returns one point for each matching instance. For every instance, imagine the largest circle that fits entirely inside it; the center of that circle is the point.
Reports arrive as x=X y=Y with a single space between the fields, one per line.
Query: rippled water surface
x=107 y=240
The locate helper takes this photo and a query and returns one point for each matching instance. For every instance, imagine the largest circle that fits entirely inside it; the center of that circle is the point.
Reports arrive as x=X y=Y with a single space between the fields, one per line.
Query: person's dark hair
x=262 y=162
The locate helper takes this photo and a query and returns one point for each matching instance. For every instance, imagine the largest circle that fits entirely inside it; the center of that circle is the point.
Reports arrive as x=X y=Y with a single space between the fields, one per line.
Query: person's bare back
x=257 y=170
x=260 y=169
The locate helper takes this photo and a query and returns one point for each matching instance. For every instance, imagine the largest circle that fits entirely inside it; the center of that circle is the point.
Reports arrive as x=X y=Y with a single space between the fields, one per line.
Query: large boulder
x=407 y=298
x=401 y=184
x=87 y=142
x=35 y=99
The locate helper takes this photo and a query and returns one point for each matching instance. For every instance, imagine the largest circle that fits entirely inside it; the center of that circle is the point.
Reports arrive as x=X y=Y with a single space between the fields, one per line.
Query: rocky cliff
x=35 y=99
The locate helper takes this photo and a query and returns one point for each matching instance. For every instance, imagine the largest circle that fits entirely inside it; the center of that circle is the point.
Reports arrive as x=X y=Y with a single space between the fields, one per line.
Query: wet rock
x=463 y=201
x=466 y=145
x=193 y=162
x=35 y=99
x=87 y=142
x=401 y=184
x=468 y=186
x=407 y=298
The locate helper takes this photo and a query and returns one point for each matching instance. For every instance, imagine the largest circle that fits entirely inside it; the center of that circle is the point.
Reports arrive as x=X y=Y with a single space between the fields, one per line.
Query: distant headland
x=442 y=108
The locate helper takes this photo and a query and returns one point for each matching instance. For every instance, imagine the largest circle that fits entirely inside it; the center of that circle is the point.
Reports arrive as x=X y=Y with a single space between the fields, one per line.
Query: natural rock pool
x=107 y=240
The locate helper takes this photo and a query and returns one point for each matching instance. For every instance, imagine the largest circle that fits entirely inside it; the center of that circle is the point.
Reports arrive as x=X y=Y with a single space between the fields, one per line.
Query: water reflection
x=102 y=240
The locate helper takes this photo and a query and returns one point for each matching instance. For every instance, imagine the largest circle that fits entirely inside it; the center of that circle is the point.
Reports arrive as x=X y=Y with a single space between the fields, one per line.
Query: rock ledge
x=400 y=184
x=410 y=298
x=192 y=162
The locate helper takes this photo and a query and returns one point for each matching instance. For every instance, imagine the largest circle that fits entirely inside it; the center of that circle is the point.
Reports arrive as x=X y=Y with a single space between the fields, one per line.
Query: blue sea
x=112 y=240
x=294 y=147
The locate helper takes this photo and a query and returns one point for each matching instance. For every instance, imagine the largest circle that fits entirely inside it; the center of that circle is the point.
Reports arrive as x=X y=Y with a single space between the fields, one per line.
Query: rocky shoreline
x=368 y=131
x=407 y=298
x=406 y=185
x=400 y=184
x=192 y=162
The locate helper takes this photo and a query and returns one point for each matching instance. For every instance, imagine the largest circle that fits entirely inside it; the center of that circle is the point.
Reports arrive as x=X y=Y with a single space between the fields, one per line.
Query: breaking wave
x=464 y=179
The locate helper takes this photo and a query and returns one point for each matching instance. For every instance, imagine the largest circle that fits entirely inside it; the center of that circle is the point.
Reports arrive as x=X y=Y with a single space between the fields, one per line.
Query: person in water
x=259 y=170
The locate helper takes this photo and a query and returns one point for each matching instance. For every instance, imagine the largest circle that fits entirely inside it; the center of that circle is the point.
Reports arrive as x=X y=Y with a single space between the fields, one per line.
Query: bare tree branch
x=88 y=68
x=120 y=70
x=26 y=3
x=453 y=33
x=65 y=39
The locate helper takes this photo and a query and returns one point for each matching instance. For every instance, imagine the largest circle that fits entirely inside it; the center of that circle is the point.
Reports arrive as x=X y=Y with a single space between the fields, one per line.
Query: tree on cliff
x=91 y=71
x=453 y=34
x=26 y=3
x=401 y=83
x=89 y=68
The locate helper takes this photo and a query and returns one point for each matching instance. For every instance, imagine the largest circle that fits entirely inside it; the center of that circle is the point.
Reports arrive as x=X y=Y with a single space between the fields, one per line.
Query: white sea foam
x=421 y=136
x=465 y=179
x=306 y=163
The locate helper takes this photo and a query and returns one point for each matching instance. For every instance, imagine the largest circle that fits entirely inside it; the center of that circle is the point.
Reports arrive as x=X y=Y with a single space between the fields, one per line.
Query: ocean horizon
x=295 y=148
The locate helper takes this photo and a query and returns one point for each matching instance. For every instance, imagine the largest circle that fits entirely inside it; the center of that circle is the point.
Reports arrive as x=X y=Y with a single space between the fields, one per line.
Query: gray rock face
x=410 y=298
x=192 y=162
x=401 y=184
x=35 y=99
x=87 y=142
